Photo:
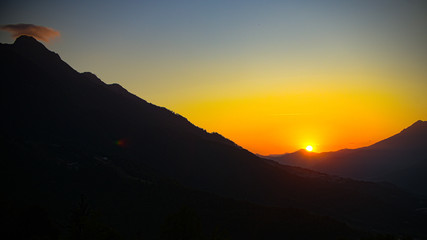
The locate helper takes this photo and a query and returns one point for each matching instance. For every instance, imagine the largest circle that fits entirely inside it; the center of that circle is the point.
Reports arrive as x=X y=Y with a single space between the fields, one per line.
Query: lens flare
x=120 y=142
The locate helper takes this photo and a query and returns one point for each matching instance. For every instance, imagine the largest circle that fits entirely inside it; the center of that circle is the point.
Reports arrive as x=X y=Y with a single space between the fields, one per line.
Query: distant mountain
x=68 y=132
x=400 y=159
x=413 y=138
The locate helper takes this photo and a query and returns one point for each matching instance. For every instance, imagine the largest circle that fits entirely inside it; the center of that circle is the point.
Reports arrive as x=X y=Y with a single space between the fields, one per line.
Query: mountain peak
x=412 y=137
x=418 y=124
x=29 y=42
x=416 y=128
x=33 y=50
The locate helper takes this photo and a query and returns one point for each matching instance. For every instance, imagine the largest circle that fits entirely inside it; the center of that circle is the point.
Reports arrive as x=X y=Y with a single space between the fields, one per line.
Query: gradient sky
x=273 y=76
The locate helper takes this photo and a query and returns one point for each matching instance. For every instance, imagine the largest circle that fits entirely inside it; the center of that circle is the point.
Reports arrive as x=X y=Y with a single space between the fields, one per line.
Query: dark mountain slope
x=400 y=159
x=412 y=138
x=47 y=102
x=53 y=177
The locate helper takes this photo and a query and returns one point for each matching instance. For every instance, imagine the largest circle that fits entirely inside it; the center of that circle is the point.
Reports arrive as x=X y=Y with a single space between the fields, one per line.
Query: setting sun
x=306 y=119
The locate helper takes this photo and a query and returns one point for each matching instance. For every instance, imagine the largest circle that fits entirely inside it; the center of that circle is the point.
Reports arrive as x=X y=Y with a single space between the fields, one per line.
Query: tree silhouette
x=85 y=224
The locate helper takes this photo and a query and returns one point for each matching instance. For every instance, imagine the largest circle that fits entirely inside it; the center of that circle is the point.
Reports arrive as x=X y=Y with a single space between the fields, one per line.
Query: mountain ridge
x=405 y=151
x=413 y=136
x=59 y=107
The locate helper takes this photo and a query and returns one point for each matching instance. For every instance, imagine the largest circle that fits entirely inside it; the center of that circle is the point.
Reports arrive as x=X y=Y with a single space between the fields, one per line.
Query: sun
x=309 y=148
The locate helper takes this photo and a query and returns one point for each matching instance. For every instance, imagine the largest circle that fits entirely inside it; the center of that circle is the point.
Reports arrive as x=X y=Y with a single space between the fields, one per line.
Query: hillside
x=400 y=159
x=96 y=127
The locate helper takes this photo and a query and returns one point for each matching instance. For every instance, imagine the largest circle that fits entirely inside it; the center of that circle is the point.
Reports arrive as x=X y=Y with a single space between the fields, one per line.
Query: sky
x=273 y=76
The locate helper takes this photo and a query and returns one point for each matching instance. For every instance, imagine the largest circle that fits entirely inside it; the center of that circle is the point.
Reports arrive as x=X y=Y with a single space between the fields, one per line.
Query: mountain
x=413 y=138
x=68 y=133
x=400 y=159
x=42 y=184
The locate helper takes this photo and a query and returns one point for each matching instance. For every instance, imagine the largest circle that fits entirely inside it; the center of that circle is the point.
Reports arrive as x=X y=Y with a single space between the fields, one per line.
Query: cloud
x=39 y=32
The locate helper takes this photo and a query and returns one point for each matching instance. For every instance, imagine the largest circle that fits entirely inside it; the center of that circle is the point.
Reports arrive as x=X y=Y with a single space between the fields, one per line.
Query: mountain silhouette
x=400 y=159
x=67 y=131
x=412 y=138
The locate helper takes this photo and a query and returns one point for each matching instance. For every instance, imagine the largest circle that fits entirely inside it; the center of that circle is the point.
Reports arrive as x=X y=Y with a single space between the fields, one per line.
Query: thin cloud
x=39 y=32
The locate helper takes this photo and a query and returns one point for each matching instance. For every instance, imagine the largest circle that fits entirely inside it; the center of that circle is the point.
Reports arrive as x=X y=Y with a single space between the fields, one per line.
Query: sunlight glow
x=309 y=148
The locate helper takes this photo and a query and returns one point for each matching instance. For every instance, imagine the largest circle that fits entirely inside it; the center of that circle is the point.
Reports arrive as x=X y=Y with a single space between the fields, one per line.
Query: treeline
x=86 y=223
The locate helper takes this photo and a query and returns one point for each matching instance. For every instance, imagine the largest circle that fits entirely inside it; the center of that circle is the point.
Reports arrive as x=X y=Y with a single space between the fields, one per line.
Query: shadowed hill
x=47 y=102
x=130 y=199
x=400 y=159
x=412 y=138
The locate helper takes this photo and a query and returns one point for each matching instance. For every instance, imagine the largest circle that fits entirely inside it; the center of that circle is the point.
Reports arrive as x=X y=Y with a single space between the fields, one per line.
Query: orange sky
x=273 y=76
x=272 y=124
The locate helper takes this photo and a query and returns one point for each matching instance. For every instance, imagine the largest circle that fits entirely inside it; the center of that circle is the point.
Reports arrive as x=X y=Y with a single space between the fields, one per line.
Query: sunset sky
x=273 y=76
